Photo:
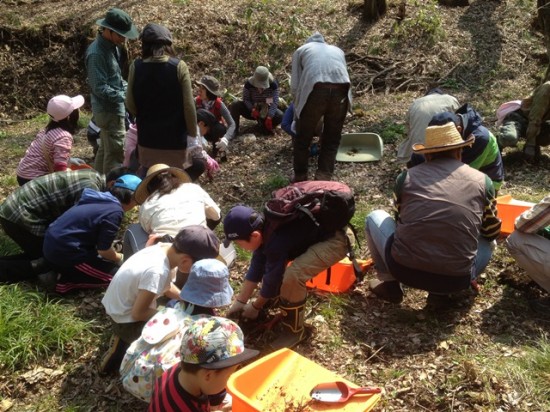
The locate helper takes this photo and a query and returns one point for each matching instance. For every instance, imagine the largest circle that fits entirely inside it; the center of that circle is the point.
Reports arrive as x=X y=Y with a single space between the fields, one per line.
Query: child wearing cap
x=78 y=244
x=210 y=99
x=311 y=250
x=211 y=350
x=130 y=299
x=50 y=150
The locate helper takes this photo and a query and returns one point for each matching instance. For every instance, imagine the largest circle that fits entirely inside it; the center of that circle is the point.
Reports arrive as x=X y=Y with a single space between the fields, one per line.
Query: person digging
x=310 y=251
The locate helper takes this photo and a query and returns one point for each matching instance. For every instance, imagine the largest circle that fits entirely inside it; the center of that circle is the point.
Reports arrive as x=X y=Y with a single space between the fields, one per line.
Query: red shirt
x=169 y=395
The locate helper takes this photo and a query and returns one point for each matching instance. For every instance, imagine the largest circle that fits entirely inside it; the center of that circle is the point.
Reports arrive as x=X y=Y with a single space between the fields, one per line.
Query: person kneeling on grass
x=311 y=249
x=130 y=299
x=79 y=244
x=211 y=350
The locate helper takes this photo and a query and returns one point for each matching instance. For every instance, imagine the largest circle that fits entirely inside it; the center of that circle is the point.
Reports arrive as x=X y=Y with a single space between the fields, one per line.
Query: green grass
x=33 y=327
x=531 y=372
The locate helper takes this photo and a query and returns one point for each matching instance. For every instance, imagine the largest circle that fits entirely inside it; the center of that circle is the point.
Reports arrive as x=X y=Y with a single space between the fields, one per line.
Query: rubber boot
x=110 y=363
x=292 y=324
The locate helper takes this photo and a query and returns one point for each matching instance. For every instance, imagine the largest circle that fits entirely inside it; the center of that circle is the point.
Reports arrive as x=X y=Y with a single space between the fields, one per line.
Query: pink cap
x=60 y=107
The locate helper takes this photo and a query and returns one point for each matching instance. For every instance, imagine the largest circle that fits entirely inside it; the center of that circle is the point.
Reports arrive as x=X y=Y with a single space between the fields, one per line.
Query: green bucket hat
x=120 y=22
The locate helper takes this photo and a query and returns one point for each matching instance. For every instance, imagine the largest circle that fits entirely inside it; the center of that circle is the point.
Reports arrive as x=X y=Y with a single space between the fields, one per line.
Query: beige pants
x=317 y=258
x=532 y=253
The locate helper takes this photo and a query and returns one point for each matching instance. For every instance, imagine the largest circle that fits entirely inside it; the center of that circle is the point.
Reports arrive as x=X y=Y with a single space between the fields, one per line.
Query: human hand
x=212 y=167
x=250 y=312
x=268 y=124
x=152 y=239
x=235 y=309
x=76 y=161
x=255 y=114
x=222 y=144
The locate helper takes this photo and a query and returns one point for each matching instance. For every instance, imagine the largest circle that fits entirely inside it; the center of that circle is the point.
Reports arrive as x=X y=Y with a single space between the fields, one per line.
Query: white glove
x=76 y=161
x=250 y=312
x=235 y=309
x=222 y=144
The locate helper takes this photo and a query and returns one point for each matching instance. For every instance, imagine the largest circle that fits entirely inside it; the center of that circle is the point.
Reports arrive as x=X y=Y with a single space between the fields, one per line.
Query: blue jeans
x=379 y=227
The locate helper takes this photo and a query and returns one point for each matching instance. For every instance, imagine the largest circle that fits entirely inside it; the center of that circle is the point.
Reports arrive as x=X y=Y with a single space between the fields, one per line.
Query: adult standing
x=160 y=95
x=108 y=88
x=321 y=87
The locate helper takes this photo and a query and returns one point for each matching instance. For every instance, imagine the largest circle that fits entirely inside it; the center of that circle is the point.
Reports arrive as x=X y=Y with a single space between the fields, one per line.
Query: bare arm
x=142 y=311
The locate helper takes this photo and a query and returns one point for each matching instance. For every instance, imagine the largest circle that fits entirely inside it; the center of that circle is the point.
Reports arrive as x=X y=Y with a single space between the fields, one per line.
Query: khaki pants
x=317 y=258
x=532 y=253
x=110 y=153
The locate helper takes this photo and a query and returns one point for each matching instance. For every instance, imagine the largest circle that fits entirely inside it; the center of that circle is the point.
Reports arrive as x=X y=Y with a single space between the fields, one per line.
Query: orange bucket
x=282 y=380
x=339 y=277
x=508 y=210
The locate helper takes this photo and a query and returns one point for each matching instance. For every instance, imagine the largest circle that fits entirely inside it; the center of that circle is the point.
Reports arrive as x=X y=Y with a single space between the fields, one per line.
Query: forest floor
x=485 y=54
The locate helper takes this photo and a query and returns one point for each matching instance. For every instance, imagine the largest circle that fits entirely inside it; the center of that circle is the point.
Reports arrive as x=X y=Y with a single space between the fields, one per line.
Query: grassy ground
x=489 y=355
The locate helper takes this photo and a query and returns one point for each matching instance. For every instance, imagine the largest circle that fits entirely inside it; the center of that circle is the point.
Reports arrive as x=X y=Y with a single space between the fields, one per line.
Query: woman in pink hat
x=50 y=150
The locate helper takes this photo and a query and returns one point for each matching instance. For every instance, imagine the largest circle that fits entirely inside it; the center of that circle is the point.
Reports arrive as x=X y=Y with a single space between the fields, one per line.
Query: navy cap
x=238 y=224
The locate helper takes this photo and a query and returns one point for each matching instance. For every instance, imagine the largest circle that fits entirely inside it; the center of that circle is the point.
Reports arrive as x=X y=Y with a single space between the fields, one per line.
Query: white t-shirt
x=148 y=269
x=188 y=205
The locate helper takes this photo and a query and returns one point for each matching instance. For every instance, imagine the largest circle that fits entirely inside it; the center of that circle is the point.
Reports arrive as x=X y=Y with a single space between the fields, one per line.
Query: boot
x=110 y=363
x=292 y=324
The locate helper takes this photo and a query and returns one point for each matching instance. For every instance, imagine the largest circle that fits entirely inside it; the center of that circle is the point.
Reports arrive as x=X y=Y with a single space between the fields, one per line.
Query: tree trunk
x=454 y=3
x=374 y=9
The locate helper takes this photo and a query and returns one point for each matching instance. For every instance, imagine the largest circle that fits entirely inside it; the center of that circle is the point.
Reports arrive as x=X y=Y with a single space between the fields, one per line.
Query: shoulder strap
x=46 y=154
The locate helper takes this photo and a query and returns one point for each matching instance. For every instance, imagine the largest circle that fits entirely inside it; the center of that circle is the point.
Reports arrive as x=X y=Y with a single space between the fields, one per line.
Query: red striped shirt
x=169 y=395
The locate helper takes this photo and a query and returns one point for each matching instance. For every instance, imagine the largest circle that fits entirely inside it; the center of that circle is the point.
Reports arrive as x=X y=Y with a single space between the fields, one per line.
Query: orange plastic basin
x=508 y=210
x=338 y=278
x=281 y=382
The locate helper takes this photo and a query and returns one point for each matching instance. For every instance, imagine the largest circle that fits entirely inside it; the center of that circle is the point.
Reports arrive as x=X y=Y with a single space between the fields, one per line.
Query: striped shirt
x=39 y=202
x=270 y=96
x=56 y=144
x=169 y=395
x=536 y=219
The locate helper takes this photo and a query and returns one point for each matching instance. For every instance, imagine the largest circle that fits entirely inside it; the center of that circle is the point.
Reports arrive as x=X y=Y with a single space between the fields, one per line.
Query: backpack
x=330 y=205
x=156 y=351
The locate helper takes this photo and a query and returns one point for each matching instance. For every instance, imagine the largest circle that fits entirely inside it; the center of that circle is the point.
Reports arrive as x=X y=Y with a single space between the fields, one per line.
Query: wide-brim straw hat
x=442 y=138
x=142 y=193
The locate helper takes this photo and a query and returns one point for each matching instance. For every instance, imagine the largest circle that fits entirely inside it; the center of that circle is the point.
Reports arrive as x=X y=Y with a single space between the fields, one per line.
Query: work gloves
x=222 y=144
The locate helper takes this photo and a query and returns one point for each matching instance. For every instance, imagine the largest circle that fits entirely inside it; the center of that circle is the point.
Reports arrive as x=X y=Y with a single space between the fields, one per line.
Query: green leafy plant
x=423 y=28
x=33 y=327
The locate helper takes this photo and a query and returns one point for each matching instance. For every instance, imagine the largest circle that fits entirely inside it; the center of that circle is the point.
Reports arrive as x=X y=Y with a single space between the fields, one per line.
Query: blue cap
x=130 y=182
x=208 y=284
x=238 y=224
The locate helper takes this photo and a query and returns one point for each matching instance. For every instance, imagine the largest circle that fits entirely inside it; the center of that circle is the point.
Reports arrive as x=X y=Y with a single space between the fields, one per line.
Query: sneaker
x=110 y=363
x=389 y=291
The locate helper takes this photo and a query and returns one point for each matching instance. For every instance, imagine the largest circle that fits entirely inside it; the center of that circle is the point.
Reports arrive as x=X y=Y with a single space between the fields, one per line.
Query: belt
x=331 y=86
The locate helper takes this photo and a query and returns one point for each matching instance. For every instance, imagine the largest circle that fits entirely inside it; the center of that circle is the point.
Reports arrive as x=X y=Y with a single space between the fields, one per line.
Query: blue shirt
x=270 y=260
x=89 y=226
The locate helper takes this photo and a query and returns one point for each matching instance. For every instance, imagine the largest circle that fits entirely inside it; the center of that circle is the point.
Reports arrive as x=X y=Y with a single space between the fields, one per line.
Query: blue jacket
x=286 y=243
x=88 y=226
x=484 y=154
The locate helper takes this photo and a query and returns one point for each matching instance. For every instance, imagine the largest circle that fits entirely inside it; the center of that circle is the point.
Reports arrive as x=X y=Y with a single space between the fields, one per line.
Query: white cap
x=60 y=107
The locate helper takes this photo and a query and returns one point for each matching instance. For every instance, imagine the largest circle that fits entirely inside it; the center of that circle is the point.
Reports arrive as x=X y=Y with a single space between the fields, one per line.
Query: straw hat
x=442 y=138
x=142 y=193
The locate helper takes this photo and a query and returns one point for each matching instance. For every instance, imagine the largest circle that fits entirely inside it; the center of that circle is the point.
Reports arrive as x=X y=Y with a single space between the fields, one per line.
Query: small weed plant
x=32 y=328
x=424 y=28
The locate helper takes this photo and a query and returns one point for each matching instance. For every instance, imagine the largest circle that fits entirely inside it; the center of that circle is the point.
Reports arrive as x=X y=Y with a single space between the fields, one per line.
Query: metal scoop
x=337 y=392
